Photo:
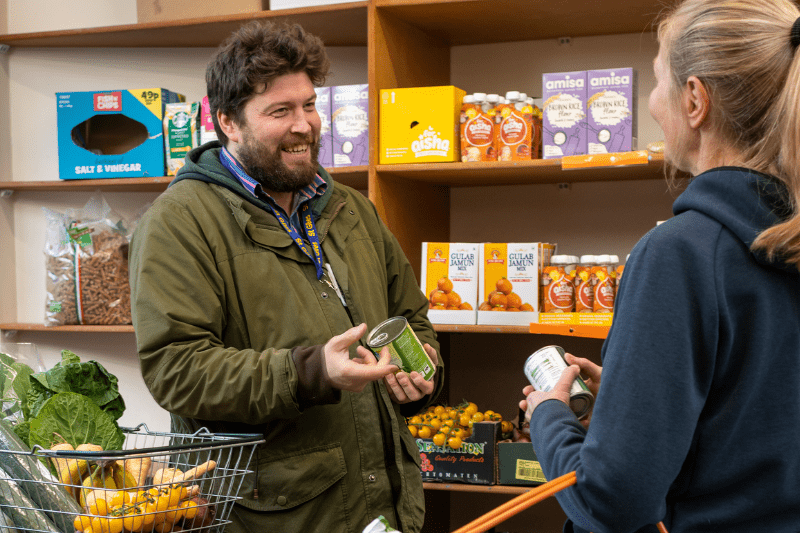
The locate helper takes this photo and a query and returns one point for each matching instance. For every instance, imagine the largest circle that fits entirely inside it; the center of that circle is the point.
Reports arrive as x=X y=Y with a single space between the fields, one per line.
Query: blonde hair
x=742 y=52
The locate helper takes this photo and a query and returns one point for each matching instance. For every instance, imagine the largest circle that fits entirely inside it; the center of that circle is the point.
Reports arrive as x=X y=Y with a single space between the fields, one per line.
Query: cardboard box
x=420 y=125
x=289 y=4
x=112 y=134
x=455 y=264
x=323 y=105
x=517 y=465
x=207 y=131
x=350 y=124
x=162 y=10
x=473 y=463
x=517 y=268
x=564 y=114
x=611 y=110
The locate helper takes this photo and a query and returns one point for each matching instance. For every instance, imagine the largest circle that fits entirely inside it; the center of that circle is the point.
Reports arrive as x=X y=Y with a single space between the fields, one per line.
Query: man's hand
x=560 y=392
x=353 y=374
x=406 y=388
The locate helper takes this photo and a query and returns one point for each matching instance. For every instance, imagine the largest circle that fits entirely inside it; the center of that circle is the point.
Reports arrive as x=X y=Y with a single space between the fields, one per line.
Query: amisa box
x=564 y=114
x=611 y=110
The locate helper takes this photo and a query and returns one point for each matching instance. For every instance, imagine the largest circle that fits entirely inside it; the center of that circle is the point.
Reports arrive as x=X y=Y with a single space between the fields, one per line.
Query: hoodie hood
x=203 y=164
x=744 y=201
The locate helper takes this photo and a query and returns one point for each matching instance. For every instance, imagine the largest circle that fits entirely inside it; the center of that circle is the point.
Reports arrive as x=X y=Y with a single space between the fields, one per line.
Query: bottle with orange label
x=536 y=136
x=558 y=289
x=477 y=130
x=513 y=129
x=584 y=293
x=604 y=287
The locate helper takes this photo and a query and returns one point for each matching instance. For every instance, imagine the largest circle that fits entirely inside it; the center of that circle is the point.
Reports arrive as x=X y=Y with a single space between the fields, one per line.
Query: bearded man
x=255 y=279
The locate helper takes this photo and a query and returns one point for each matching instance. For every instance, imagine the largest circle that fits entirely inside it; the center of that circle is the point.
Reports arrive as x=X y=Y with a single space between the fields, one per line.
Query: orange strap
x=523 y=501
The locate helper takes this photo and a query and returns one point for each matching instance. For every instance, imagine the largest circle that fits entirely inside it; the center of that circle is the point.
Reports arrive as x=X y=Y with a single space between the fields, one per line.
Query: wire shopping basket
x=158 y=482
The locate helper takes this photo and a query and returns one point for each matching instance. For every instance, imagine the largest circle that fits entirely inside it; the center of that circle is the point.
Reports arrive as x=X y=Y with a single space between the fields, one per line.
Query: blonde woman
x=697 y=421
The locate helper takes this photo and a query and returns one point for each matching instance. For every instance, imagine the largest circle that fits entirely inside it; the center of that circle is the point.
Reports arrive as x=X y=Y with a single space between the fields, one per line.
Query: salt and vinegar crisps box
x=509 y=281
x=112 y=134
x=449 y=277
x=420 y=125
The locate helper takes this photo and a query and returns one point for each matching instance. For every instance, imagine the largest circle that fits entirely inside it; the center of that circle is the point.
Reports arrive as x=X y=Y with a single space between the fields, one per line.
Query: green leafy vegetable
x=78 y=420
x=14 y=386
x=70 y=375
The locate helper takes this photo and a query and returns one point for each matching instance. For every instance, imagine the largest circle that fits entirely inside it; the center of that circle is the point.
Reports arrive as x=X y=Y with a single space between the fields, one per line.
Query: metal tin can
x=543 y=369
x=407 y=352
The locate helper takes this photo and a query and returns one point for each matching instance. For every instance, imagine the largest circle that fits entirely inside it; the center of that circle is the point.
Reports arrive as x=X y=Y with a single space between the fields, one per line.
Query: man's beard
x=267 y=167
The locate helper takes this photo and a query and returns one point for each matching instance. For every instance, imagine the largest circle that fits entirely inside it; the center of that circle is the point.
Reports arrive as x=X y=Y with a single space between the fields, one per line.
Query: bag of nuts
x=87 y=267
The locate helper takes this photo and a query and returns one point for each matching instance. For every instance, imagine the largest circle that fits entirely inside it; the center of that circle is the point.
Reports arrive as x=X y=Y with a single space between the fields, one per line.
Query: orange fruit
x=439 y=306
x=444 y=285
x=513 y=309
x=503 y=285
x=498 y=299
x=465 y=306
x=484 y=307
x=526 y=307
x=439 y=298
x=453 y=299
x=453 y=308
x=498 y=308
x=514 y=300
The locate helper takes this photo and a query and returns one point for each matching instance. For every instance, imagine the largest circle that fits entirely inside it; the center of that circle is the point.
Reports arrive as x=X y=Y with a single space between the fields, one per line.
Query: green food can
x=407 y=352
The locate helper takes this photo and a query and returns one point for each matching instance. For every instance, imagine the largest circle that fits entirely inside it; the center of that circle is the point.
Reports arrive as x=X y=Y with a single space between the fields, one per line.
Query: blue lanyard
x=306 y=216
x=310 y=231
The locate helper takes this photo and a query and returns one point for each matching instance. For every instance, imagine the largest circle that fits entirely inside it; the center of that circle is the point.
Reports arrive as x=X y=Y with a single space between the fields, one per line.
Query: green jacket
x=230 y=321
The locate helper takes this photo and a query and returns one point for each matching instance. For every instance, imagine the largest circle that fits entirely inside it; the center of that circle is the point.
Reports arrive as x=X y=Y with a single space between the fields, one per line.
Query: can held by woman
x=406 y=349
x=544 y=368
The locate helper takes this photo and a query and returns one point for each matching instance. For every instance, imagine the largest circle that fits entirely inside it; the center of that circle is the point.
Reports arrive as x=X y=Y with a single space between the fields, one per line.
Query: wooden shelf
x=485 y=489
x=17 y=326
x=355 y=177
x=579 y=331
x=458 y=22
x=535 y=171
x=350 y=29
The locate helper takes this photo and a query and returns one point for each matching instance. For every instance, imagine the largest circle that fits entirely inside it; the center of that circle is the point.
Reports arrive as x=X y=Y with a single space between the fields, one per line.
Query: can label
x=544 y=368
x=404 y=346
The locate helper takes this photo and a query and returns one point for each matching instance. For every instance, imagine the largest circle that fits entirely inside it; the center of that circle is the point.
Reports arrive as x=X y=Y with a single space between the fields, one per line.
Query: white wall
x=28 y=16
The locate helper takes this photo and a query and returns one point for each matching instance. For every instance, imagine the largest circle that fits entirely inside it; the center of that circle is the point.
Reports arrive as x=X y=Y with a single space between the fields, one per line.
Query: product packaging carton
x=611 y=110
x=350 y=125
x=564 y=114
x=163 y=10
x=509 y=282
x=112 y=134
x=517 y=465
x=323 y=105
x=420 y=125
x=473 y=463
x=207 y=131
x=449 y=278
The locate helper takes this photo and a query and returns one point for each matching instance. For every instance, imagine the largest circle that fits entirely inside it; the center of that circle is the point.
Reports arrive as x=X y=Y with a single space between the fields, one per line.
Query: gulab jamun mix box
x=510 y=274
x=449 y=278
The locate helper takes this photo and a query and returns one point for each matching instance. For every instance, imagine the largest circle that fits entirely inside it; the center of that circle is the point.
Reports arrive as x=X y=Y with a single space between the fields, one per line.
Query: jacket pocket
x=286 y=481
x=410 y=444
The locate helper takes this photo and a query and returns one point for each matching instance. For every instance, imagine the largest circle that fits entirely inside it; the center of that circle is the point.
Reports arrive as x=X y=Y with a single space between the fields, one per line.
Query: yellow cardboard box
x=420 y=125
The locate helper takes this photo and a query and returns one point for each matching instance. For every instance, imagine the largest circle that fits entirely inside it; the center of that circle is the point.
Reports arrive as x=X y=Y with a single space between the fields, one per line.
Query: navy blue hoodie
x=697 y=422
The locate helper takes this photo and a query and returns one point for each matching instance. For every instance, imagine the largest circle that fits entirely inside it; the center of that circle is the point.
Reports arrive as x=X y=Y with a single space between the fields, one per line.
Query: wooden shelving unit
x=409 y=44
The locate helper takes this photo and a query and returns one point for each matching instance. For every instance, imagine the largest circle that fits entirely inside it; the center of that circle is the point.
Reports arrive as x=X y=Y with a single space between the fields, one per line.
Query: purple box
x=611 y=110
x=564 y=114
x=325 y=138
x=350 y=125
